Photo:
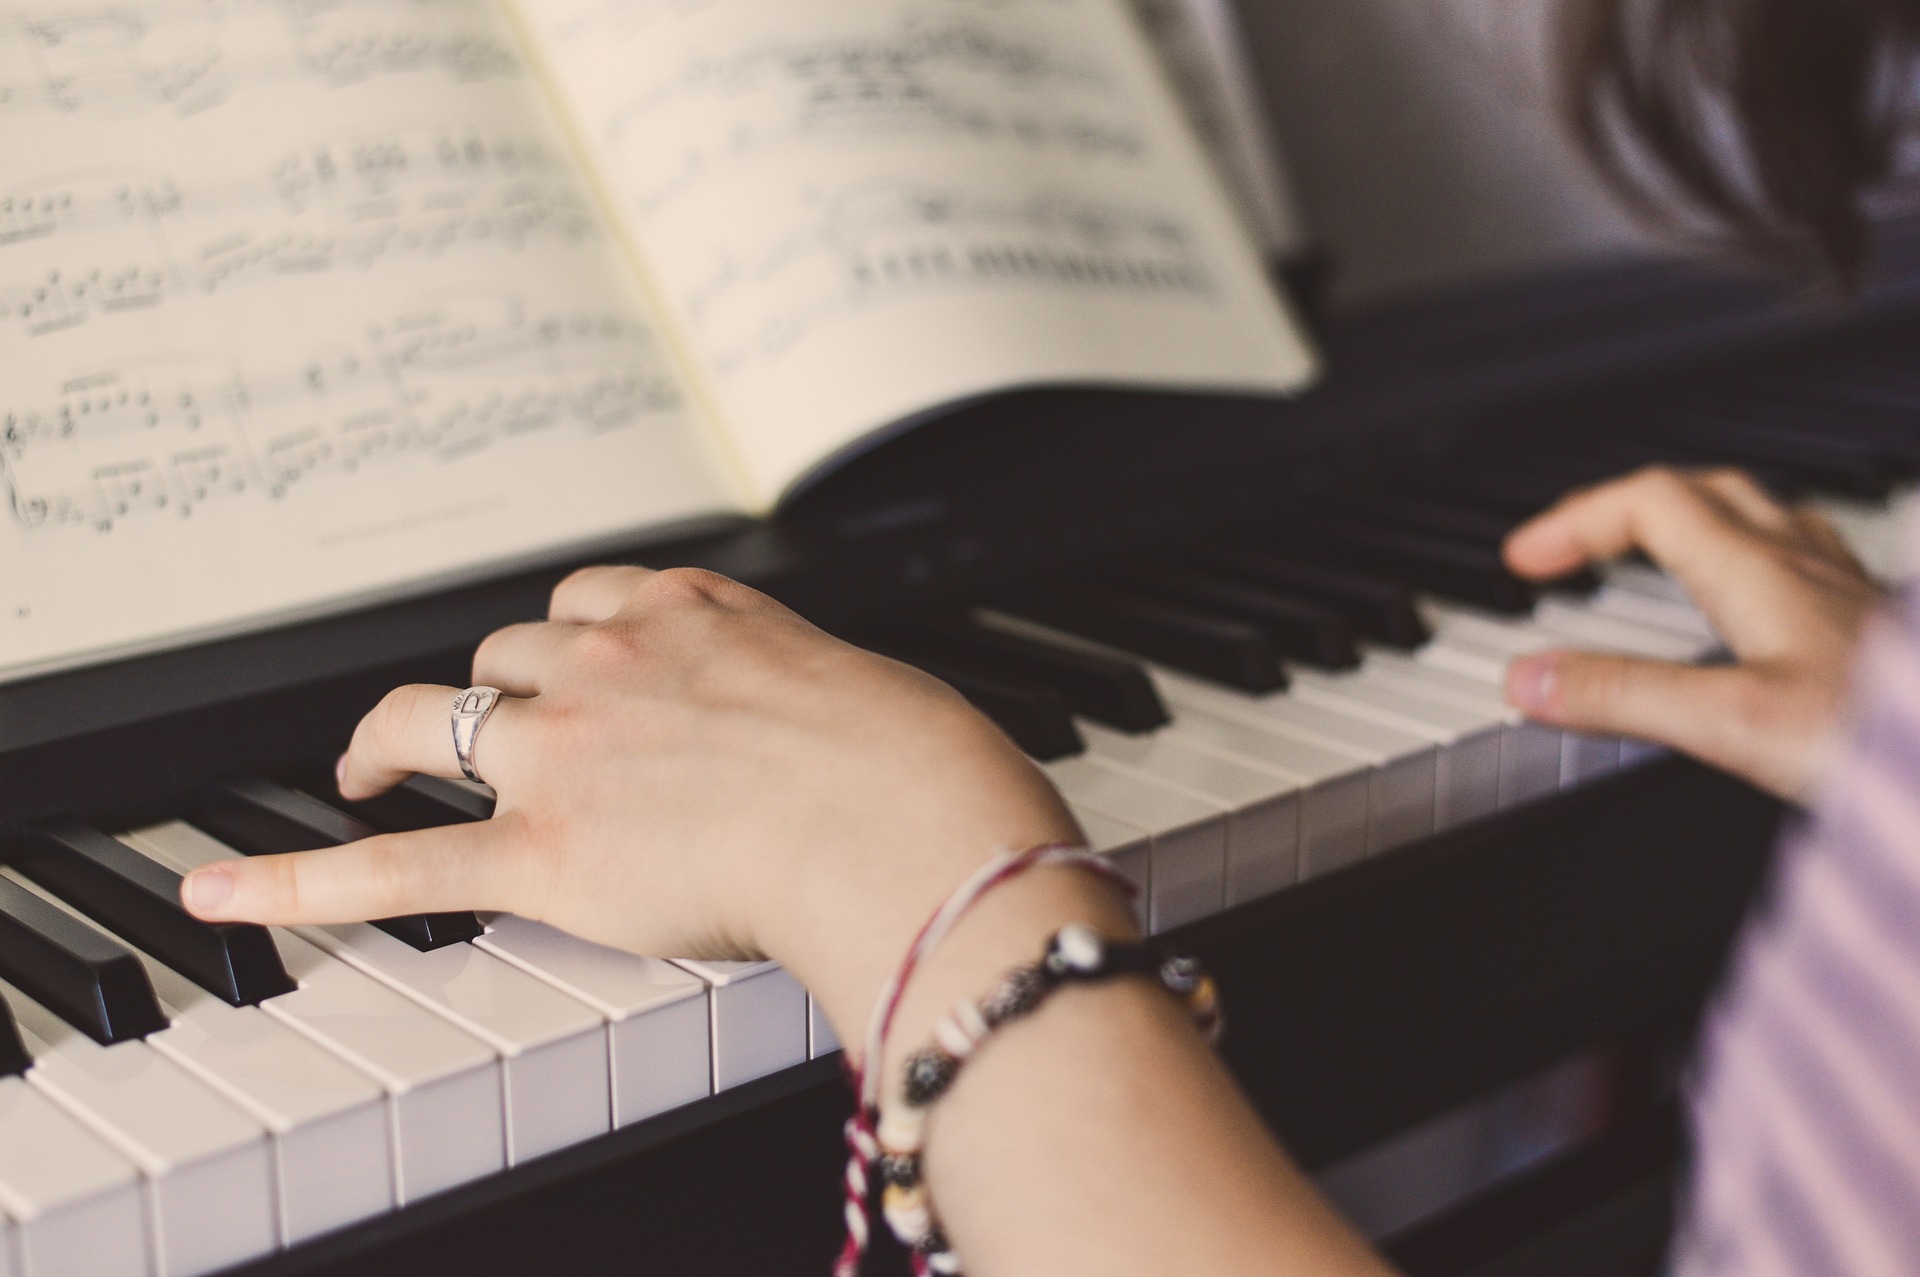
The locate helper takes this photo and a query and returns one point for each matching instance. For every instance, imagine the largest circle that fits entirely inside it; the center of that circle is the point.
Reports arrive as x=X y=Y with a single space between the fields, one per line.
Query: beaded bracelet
x=1077 y=954
x=862 y=1145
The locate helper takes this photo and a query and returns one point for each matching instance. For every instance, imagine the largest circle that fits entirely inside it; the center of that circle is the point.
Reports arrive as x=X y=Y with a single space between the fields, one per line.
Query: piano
x=1257 y=646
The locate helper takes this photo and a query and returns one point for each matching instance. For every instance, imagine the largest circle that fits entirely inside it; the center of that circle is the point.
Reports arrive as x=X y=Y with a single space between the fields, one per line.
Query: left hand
x=1779 y=586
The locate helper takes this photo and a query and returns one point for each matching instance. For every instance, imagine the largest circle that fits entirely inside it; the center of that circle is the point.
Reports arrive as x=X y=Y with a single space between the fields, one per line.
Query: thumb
x=429 y=871
x=1684 y=707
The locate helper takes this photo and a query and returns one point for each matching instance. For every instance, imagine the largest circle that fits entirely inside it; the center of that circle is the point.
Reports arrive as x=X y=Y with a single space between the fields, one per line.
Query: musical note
x=127 y=59
x=444 y=380
x=120 y=243
x=914 y=149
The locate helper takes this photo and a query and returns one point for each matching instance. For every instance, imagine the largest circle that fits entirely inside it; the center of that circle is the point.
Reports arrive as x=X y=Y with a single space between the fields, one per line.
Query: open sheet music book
x=305 y=302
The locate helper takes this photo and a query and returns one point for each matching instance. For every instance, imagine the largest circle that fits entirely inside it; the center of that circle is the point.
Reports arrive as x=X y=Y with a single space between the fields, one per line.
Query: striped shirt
x=1806 y=1095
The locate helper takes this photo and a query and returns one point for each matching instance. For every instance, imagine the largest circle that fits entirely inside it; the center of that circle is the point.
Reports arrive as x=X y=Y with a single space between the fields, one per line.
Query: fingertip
x=1542 y=547
x=209 y=893
x=1534 y=683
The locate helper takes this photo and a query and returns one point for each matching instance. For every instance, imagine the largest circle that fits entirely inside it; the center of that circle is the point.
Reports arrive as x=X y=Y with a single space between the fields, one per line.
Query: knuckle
x=573 y=581
x=684 y=587
x=600 y=647
x=1662 y=482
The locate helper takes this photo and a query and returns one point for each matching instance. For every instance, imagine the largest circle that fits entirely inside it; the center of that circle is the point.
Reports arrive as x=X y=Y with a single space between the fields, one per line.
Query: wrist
x=843 y=921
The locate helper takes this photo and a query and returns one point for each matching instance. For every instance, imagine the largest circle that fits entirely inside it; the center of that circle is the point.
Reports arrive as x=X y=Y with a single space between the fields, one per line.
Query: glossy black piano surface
x=1229 y=541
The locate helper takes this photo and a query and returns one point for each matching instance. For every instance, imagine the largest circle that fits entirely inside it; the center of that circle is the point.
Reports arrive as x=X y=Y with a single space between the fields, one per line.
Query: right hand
x=687 y=769
x=1778 y=585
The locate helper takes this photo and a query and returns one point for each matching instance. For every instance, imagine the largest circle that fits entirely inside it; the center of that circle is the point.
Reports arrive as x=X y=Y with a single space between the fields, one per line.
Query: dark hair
x=1755 y=126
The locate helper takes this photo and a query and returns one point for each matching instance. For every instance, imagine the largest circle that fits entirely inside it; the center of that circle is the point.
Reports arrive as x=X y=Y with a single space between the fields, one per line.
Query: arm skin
x=1779 y=586
x=686 y=768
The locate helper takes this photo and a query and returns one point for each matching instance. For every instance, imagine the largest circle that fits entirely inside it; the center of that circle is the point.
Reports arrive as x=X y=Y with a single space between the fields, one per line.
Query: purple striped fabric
x=1806 y=1093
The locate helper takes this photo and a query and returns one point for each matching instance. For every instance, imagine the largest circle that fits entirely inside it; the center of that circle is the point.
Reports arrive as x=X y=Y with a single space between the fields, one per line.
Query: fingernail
x=340 y=773
x=208 y=890
x=1533 y=682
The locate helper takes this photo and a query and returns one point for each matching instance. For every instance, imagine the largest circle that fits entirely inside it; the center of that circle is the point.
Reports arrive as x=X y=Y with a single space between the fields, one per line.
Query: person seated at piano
x=684 y=767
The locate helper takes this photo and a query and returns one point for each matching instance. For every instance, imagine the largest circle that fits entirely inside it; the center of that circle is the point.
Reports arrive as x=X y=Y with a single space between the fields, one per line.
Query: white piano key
x=1129 y=849
x=1872 y=532
x=1340 y=786
x=1189 y=832
x=553 y=1048
x=821 y=1039
x=1640 y=578
x=333 y=1157
x=1600 y=631
x=78 y=1207
x=1530 y=752
x=757 y=1018
x=1467 y=770
x=1263 y=820
x=657 y=1012
x=444 y=1085
x=208 y=1166
x=1679 y=618
x=1401 y=785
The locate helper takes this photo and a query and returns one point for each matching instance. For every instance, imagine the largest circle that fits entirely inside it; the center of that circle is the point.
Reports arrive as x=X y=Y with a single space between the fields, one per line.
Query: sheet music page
x=856 y=211
x=302 y=301
x=1205 y=53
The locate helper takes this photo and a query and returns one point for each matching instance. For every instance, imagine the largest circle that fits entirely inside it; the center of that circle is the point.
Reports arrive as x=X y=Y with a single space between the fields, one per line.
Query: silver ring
x=471 y=709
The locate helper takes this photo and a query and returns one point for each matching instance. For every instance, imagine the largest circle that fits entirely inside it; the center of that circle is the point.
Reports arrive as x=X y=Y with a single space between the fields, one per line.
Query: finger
x=430 y=871
x=1659 y=511
x=520 y=659
x=592 y=596
x=1689 y=708
x=410 y=732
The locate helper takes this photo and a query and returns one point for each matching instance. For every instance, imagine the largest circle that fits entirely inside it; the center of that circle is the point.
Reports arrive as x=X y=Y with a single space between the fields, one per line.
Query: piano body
x=1256 y=645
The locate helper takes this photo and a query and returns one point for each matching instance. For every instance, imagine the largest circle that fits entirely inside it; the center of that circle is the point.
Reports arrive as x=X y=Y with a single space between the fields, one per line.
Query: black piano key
x=420 y=802
x=1492 y=484
x=87 y=979
x=1037 y=718
x=1468 y=527
x=1824 y=465
x=138 y=899
x=14 y=1059
x=1376 y=607
x=1888 y=429
x=1300 y=629
x=261 y=818
x=1458 y=570
x=1474 y=525
x=1627 y=453
x=1199 y=641
x=1106 y=689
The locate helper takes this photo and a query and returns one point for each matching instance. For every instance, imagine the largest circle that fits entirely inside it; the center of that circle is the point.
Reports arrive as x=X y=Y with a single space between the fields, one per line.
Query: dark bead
x=929 y=1073
x=898 y=1169
x=1018 y=994
x=934 y=1243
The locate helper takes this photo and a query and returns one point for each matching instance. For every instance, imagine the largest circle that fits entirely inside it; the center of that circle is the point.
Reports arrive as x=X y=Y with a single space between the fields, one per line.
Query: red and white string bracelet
x=1075 y=955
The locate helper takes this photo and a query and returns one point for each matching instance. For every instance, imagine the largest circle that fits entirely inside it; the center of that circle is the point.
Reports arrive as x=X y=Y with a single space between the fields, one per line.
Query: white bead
x=1080 y=946
x=967 y=1014
x=856 y=1180
x=946 y=1263
x=910 y=1222
x=857 y=1224
x=961 y=1030
x=902 y=1128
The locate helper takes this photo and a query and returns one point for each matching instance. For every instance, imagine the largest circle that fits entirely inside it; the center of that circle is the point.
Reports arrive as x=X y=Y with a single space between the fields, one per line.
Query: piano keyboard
x=1226 y=719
